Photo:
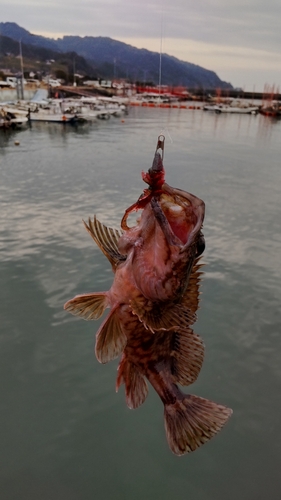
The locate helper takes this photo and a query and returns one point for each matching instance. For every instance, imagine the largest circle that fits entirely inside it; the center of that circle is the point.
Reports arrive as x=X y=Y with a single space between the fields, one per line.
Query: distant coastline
x=99 y=57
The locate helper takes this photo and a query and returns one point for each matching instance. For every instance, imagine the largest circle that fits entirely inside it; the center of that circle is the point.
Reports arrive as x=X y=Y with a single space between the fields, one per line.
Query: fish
x=151 y=262
x=167 y=359
x=153 y=305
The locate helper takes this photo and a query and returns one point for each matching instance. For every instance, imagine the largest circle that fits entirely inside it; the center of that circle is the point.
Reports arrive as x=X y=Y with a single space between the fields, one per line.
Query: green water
x=65 y=433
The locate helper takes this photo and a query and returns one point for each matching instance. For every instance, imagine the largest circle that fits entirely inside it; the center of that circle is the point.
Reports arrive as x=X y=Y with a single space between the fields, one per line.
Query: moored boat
x=12 y=117
x=52 y=112
x=273 y=110
x=241 y=107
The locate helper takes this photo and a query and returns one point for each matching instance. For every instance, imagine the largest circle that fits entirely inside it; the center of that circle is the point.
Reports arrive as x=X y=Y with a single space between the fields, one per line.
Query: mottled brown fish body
x=152 y=266
x=164 y=246
x=153 y=303
x=165 y=359
x=161 y=250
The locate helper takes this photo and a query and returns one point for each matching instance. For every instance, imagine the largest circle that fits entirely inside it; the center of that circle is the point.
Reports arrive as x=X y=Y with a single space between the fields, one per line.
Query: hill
x=41 y=59
x=110 y=58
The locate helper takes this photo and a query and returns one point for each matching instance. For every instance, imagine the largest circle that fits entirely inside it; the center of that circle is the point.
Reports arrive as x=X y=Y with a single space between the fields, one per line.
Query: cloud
x=224 y=36
x=251 y=23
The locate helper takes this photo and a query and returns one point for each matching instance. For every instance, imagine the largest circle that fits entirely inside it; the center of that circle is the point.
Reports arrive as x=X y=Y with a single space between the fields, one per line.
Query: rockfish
x=165 y=359
x=153 y=300
x=152 y=263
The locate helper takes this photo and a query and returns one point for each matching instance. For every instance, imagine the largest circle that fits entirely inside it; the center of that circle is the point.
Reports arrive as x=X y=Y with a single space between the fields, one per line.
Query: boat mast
x=22 y=74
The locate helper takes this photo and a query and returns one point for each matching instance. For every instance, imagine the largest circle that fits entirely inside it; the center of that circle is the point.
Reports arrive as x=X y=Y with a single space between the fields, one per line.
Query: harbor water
x=65 y=433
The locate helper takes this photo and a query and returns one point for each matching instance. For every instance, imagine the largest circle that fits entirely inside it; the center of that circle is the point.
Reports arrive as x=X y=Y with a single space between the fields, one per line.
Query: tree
x=61 y=75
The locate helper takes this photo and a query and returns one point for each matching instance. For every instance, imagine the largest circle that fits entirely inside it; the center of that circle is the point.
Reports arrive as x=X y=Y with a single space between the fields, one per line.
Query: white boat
x=210 y=107
x=154 y=99
x=12 y=117
x=83 y=112
x=51 y=112
x=106 y=106
x=236 y=107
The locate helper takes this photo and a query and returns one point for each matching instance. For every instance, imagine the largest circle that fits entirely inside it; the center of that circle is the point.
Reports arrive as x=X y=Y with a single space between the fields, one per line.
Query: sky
x=238 y=39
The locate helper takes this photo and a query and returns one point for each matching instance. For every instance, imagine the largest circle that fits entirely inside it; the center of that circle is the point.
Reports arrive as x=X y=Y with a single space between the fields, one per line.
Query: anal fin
x=136 y=387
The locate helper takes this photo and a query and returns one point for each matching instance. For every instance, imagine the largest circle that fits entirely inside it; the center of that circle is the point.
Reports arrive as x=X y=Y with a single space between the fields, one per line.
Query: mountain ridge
x=111 y=58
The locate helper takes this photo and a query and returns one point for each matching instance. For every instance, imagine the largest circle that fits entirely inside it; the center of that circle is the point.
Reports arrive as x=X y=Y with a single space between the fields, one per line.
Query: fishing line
x=165 y=131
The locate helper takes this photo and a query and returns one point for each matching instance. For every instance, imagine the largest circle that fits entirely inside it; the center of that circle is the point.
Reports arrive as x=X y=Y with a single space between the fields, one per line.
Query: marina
x=16 y=114
x=72 y=104
x=62 y=423
x=140 y=191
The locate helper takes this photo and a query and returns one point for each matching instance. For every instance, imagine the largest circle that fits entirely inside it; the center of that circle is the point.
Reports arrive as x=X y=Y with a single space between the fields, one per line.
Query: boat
x=12 y=117
x=154 y=99
x=241 y=107
x=273 y=110
x=106 y=106
x=210 y=107
x=4 y=123
x=83 y=112
x=50 y=112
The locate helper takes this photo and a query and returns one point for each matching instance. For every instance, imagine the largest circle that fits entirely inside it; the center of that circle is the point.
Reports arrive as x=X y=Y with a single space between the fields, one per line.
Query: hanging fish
x=153 y=303
x=152 y=262
x=165 y=359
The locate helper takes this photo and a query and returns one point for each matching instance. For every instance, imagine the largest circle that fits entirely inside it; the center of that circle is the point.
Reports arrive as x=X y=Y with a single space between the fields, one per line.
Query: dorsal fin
x=107 y=240
x=187 y=356
x=191 y=296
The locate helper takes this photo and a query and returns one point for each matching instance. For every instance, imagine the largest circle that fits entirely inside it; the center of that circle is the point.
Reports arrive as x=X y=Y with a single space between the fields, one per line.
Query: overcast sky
x=239 y=40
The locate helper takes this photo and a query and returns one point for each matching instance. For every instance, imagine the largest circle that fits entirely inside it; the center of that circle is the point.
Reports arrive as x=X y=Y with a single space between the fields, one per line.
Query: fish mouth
x=180 y=214
x=184 y=214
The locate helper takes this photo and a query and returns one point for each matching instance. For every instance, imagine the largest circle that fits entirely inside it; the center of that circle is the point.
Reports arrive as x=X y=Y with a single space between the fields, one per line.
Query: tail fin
x=192 y=421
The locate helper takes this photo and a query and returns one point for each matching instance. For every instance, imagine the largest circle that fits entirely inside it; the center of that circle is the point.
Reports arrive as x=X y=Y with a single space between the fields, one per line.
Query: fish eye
x=200 y=247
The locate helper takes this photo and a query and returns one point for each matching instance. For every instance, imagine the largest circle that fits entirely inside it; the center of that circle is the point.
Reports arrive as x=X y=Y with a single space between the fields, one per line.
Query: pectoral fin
x=107 y=240
x=88 y=306
x=168 y=315
x=161 y=316
x=111 y=339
